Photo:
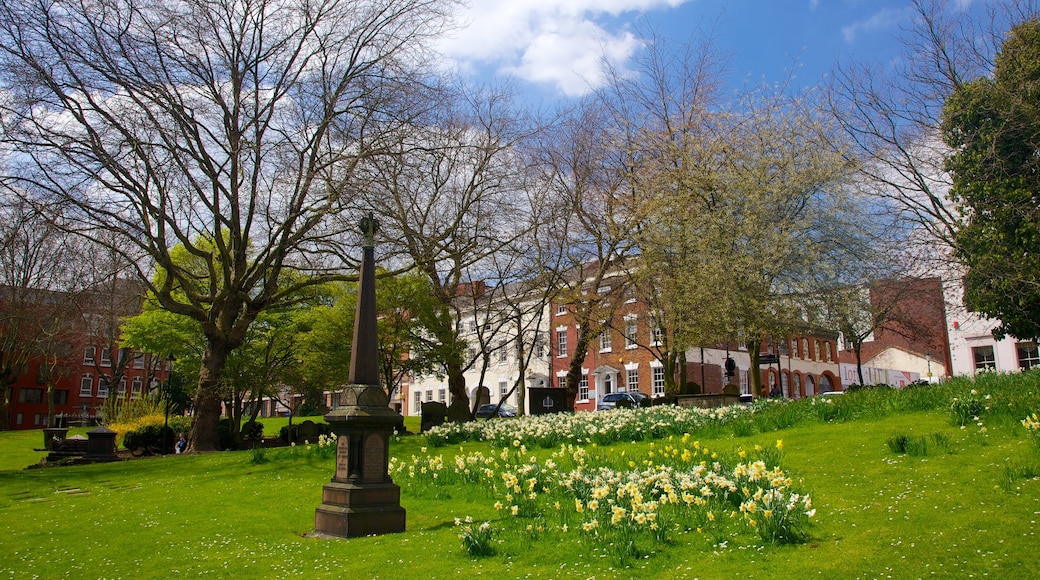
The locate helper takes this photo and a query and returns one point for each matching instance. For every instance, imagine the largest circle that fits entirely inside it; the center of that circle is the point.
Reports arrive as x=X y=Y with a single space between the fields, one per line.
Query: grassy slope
x=879 y=514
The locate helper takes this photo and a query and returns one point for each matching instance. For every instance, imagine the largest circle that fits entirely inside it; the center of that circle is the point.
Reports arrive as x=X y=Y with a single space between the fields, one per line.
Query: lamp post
x=928 y=359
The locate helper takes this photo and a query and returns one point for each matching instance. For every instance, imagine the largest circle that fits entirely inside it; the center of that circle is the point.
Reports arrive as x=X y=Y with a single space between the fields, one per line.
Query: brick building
x=81 y=357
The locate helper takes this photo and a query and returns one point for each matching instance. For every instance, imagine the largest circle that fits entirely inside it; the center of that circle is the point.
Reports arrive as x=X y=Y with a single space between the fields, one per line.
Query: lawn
x=965 y=508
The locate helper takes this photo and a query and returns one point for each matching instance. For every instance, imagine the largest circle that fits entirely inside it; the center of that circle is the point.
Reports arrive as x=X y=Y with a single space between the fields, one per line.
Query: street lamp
x=928 y=359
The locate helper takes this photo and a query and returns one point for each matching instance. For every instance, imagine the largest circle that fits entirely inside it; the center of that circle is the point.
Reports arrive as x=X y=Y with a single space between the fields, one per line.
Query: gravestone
x=482 y=396
x=433 y=415
x=544 y=400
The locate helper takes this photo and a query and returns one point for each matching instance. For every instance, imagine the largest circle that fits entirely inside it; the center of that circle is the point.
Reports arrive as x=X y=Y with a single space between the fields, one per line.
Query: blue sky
x=553 y=48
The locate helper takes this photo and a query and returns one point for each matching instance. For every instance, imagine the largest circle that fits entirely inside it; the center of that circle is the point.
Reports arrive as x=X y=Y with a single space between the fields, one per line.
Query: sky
x=553 y=49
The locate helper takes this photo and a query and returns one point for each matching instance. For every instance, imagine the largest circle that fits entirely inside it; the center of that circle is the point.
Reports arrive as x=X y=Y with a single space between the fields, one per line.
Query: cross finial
x=369 y=226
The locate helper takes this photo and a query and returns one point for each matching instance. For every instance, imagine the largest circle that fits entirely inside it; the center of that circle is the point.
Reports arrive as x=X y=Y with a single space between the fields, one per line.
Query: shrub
x=153 y=438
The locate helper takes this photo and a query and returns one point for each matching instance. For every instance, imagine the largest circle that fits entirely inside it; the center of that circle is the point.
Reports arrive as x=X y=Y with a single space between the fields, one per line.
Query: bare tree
x=448 y=198
x=891 y=111
x=234 y=129
x=39 y=287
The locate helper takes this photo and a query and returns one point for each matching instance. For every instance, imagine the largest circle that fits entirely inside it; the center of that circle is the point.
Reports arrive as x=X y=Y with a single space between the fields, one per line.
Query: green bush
x=151 y=438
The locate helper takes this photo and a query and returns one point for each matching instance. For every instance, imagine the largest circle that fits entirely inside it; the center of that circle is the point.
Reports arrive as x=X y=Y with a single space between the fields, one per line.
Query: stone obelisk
x=361 y=499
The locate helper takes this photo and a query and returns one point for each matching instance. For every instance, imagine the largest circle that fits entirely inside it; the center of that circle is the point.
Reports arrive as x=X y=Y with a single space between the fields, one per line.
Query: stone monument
x=361 y=499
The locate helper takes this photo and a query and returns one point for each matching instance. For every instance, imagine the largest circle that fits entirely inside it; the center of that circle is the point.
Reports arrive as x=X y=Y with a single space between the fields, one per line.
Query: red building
x=71 y=343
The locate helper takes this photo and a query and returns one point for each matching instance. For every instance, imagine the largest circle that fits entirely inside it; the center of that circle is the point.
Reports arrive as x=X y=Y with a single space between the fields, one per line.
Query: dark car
x=610 y=401
x=486 y=411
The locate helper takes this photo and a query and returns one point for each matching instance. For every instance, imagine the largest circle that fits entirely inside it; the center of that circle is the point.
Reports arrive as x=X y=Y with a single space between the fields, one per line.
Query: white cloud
x=883 y=20
x=556 y=42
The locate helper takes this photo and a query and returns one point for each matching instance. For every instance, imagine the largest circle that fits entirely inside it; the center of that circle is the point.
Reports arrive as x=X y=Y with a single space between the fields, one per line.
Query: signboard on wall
x=876 y=376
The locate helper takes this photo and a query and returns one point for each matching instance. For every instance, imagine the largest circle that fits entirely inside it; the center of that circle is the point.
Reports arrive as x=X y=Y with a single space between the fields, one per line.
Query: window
x=631 y=332
x=583 y=387
x=1028 y=356
x=503 y=389
x=503 y=352
x=805 y=348
x=539 y=344
x=122 y=387
x=561 y=309
x=136 y=386
x=106 y=357
x=630 y=294
x=88 y=355
x=38 y=419
x=632 y=380
x=984 y=358
x=604 y=341
x=472 y=353
x=826 y=352
x=139 y=361
x=658 y=381
x=656 y=335
x=61 y=397
x=30 y=396
x=442 y=395
x=102 y=388
x=86 y=385
x=429 y=396
x=561 y=343
x=418 y=401
x=816 y=350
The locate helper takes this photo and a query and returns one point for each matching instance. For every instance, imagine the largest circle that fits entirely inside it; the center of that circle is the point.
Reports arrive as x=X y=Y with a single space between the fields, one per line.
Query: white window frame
x=1032 y=354
x=561 y=342
x=656 y=335
x=985 y=364
x=631 y=332
x=583 y=386
x=87 y=380
x=632 y=379
x=136 y=388
x=657 y=380
x=605 y=341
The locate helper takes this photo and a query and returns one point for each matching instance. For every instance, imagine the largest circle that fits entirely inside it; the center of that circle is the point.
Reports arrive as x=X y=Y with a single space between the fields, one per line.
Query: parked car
x=747 y=399
x=487 y=411
x=831 y=393
x=610 y=401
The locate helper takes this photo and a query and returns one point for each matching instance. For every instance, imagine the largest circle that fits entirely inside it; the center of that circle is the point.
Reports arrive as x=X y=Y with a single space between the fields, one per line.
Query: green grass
x=879 y=513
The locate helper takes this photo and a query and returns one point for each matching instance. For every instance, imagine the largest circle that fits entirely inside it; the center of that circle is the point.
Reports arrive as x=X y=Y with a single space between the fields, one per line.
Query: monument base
x=350 y=510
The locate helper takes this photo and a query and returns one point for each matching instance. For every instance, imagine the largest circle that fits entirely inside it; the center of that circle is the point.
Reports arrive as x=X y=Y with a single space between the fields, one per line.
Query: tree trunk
x=204 y=428
x=755 y=379
x=574 y=371
x=857 y=347
x=457 y=383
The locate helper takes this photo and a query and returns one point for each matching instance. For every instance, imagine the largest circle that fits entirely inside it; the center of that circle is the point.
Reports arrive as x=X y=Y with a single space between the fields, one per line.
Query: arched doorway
x=827 y=383
x=810 y=386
